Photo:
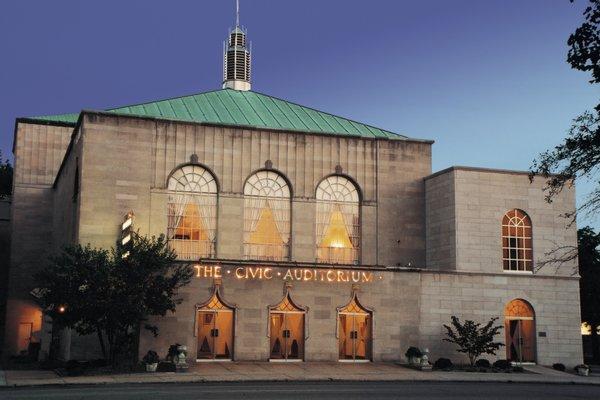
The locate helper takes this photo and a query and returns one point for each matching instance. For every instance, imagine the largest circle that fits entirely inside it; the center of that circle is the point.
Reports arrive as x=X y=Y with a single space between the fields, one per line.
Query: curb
x=204 y=381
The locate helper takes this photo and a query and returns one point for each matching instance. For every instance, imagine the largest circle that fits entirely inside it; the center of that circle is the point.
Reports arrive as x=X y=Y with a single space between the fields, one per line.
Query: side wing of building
x=39 y=150
x=490 y=235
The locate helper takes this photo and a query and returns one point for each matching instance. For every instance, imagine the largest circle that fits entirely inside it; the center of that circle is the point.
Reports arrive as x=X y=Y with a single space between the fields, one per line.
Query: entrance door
x=286 y=330
x=355 y=325
x=520 y=339
x=25 y=331
x=287 y=335
x=520 y=331
x=215 y=330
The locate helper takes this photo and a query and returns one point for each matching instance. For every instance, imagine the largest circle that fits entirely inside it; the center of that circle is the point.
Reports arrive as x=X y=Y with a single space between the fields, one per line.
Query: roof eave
x=34 y=121
x=254 y=127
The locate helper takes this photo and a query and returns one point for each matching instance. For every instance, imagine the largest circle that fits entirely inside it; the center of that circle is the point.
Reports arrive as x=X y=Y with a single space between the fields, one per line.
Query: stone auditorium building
x=313 y=237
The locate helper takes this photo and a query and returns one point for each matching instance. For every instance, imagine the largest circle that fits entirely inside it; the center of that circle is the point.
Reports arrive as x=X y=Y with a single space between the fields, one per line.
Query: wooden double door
x=520 y=340
x=355 y=334
x=215 y=334
x=287 y=335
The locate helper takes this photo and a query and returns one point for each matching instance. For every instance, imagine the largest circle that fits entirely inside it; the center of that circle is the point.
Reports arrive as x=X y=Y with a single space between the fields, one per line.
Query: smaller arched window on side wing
x=517 y=241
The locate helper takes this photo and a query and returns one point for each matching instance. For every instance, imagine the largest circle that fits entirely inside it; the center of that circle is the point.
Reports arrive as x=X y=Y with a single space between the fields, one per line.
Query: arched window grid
x=337 y=221
x=517 y=242
x=267 y=217
x=518 y=309
x=192 y=212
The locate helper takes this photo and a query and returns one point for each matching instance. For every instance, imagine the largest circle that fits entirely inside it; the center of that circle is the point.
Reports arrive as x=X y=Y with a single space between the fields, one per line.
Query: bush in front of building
x=473 y=339
x=111 y=294
x=502 y=365
x=444 y=364
x=559 y=367
x=483 y=363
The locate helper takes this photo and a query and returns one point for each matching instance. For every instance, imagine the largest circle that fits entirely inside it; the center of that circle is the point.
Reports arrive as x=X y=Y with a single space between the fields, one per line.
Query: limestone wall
x=126 y=162
x=481 y=198
x=440 y=204
x=38 y=153
x=480 y=296
x=394 y=300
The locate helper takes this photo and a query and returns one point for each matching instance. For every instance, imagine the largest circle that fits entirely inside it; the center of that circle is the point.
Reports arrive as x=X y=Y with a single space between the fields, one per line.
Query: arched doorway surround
x=287 y=330
x=354 y=331
x=215 y=321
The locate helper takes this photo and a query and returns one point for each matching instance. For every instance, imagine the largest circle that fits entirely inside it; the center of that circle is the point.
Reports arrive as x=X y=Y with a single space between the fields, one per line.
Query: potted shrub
x=413 y=355
x=582 y=369
x=444 y=364
x=151 y=361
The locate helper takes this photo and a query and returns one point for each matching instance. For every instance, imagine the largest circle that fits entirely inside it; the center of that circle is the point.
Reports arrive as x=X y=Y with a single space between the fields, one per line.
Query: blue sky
x=487 y=80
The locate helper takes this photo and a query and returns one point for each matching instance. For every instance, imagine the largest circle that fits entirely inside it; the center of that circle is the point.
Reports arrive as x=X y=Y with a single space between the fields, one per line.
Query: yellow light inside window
x=336 y=234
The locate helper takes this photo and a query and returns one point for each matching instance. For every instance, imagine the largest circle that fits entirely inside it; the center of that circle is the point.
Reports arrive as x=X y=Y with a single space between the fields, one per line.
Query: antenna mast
x=237 y=12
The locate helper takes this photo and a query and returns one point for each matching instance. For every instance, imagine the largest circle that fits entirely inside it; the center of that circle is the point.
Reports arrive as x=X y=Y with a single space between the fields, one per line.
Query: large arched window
x=192 y=212
x=266 y=217
x=517 y=251
x=338 y=224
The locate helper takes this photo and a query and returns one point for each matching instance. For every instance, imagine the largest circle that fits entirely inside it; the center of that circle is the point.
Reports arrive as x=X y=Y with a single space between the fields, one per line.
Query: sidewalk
x=310 y=371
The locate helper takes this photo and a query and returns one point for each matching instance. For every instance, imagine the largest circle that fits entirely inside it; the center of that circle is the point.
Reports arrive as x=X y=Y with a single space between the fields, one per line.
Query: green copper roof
x=238 y=108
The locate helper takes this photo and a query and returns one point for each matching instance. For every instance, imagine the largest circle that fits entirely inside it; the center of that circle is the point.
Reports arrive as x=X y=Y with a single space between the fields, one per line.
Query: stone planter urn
x=151 y=367
x=582 y=370
x=180 y=362
x=414 y=360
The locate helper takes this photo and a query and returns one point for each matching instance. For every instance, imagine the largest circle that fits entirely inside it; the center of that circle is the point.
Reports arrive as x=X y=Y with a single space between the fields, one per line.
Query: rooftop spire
x=236 y=57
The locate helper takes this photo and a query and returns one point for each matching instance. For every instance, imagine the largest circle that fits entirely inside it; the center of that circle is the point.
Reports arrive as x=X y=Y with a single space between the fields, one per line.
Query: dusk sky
x=487 y=80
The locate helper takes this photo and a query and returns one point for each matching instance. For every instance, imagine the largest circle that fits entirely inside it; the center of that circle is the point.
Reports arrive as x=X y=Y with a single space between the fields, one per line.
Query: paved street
x=309 y=390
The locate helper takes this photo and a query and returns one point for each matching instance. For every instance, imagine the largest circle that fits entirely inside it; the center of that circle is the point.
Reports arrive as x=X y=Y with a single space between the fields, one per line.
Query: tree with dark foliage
x=6 y=178
x=589 y=284
x=473 y=339
x=99 y=291
x=579 y=155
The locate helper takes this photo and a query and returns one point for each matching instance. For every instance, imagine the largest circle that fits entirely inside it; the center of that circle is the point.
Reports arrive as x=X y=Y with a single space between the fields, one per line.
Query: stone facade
x=38 y=152
x=432 y=242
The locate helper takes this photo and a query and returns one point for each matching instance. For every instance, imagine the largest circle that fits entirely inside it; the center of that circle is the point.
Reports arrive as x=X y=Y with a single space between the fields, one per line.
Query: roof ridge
x=166 y=99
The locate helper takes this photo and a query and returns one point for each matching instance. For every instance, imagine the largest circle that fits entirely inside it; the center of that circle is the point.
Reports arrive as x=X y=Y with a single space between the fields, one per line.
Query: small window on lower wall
x=517 y=248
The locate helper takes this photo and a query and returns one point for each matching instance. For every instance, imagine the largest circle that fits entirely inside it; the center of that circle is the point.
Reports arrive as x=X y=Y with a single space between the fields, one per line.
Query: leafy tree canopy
x=579 y=155
x=95 y=290
x=6 y=177
x=589 y=284
x=472 y=338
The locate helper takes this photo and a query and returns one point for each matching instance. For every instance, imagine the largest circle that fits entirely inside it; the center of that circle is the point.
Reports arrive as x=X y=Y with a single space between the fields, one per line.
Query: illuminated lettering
x=292 y=274
x=330 y=276
x=340 y=276
x=240 y=272
x=308 y=275
x=254 y=273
